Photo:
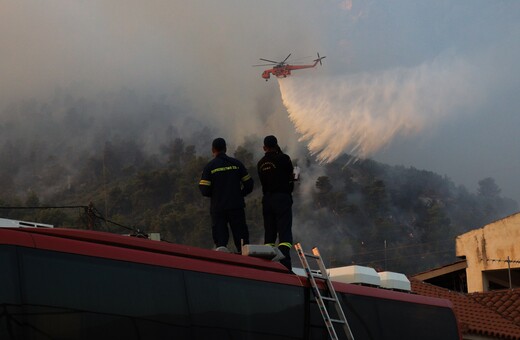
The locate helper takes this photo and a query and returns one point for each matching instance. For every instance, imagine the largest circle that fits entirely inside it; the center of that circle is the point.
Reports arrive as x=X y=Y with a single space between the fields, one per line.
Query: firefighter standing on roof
x=226 y=181
x=275 y=170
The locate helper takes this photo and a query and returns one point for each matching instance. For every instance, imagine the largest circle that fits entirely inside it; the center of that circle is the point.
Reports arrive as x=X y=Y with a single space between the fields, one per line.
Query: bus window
x=91 y=297
x=377 y=318
x=9 y=292
x=10 y=303
x=233 y=308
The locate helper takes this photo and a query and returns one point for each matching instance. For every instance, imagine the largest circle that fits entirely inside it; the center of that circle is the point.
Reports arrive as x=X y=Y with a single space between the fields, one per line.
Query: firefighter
x=226 y=181
x=275 y=170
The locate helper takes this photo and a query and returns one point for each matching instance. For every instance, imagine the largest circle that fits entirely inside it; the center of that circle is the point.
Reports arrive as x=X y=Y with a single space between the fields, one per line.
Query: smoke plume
x=192 y=60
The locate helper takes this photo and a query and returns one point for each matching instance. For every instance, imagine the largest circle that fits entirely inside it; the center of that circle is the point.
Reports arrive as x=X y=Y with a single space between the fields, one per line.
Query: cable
x=400 y=257
x=402 y=247
x=58 y=207
x=89 y=209
x=137 y=231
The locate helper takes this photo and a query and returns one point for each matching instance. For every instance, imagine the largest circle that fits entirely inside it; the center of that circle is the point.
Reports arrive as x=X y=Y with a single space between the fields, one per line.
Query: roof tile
x=475 y=313
x=506 y=302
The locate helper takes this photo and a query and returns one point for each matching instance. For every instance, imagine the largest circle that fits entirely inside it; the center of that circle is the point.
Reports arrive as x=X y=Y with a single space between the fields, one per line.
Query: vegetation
x=361 y=212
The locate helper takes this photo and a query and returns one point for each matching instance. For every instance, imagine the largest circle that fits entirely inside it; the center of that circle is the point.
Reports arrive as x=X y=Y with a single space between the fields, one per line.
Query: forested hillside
x=356 y=211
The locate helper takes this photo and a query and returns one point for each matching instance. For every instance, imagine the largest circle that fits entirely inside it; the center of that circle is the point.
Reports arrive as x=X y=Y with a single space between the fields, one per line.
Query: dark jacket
x=226 y=181
x=275 y=170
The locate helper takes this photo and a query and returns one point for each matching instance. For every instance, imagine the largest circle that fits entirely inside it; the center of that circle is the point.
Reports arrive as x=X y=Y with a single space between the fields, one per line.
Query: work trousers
x=277 y=212
x=236 y=219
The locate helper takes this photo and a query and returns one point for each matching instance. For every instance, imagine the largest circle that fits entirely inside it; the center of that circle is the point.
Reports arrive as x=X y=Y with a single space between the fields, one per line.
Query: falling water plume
x=361 y=114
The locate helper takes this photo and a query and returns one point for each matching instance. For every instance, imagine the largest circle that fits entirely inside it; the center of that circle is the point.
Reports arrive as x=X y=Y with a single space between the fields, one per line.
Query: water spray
x=361 y=114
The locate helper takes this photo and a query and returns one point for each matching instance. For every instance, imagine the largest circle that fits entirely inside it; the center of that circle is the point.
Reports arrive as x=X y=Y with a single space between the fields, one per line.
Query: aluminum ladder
x=320 y=299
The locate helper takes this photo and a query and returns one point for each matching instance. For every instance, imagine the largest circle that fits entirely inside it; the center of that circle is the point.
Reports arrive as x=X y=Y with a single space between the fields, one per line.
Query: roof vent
x=396 y=281
x=355 y=274
x=262 y=251
x=7 y=223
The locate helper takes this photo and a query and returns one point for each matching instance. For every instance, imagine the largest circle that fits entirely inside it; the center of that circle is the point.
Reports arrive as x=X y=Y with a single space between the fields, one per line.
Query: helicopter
x=281 y=69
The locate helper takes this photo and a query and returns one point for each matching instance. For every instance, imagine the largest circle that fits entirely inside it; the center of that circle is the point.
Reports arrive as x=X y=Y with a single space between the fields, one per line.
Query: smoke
x=362 y=113
x=203 y=48
x=194 y=59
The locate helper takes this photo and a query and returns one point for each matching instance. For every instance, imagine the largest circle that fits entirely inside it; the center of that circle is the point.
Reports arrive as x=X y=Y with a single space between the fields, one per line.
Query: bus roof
x=142 y=250
x=137 y=243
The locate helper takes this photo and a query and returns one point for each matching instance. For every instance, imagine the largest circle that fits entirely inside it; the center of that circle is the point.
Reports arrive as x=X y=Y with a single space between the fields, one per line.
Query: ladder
x=320 y=299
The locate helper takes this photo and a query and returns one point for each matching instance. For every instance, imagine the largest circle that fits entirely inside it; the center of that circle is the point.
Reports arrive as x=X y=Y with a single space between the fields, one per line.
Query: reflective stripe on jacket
x=226 y=181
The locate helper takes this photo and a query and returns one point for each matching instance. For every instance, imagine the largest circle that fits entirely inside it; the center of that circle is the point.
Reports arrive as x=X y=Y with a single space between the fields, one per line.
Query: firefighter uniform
x=275 y=170
x=226 y=181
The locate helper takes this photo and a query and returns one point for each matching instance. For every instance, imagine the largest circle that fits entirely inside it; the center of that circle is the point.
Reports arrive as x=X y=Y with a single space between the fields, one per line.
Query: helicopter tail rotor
x=319 y=58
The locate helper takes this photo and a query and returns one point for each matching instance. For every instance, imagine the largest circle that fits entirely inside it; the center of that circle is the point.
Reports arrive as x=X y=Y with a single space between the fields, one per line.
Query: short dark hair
x=219 y=144
x=270 y=141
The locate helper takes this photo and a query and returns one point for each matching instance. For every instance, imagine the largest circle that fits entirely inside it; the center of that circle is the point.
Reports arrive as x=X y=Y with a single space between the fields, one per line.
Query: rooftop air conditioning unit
x=7 y=223
x=395 y=281
x=355 y=274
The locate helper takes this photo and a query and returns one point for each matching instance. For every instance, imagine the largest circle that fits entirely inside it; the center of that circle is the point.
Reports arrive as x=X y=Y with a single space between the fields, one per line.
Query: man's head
x=218 y=146
x=271 y=143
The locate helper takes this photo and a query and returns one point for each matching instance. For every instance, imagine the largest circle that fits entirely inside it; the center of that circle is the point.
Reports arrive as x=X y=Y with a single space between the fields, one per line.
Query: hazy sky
x=456 y=60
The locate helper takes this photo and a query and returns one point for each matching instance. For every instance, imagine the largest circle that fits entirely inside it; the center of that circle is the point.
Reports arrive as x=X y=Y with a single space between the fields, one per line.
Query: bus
x=78 y=284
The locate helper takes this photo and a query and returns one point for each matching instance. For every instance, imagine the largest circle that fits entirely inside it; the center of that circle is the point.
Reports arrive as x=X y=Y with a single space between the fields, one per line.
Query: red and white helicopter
x=281 y=69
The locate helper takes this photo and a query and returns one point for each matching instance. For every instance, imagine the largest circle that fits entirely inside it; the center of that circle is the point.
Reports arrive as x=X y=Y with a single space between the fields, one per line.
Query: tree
x=32 y=199
x=323 y=184
x=376 y=199
x=174 y=151
x=245 y=156
x=488 y=188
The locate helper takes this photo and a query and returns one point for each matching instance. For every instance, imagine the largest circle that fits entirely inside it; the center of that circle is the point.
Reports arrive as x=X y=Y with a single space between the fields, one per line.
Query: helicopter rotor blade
x=274 y=62
x=283 y=62
x=263 y=65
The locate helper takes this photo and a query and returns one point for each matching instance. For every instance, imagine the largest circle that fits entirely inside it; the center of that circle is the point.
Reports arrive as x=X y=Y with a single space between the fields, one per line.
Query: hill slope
x=143 y=173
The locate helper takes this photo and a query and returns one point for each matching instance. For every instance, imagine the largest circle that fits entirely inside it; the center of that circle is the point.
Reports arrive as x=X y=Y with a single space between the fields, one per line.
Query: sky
x=432 y=84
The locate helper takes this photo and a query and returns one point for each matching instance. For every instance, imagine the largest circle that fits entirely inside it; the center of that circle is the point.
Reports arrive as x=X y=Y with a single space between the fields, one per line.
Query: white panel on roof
x=7 y=223
x=397 y=281
x=355 y=274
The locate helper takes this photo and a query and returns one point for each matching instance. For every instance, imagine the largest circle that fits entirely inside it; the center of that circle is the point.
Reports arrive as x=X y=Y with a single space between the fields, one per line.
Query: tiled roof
x=474 y=317
x=506 y=302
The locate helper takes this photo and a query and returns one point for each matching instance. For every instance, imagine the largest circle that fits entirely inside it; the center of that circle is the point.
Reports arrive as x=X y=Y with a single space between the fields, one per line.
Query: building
x=492 y=255
x=484 y=286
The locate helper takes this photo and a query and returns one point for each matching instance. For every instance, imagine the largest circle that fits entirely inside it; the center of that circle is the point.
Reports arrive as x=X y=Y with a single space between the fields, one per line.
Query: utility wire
x=56 y=207
x=402 y=247
x=89 y=209
x=137 y=231
x=400 y=257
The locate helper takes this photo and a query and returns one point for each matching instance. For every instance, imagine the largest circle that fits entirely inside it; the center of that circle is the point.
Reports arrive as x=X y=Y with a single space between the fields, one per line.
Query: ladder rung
x=324 y=298
x=328 y=298
x=319 y=276
x=337 y=321
x=311 y=255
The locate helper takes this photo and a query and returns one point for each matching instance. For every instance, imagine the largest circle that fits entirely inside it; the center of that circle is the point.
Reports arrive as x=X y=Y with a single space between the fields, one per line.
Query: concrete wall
x=495 y=241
